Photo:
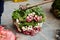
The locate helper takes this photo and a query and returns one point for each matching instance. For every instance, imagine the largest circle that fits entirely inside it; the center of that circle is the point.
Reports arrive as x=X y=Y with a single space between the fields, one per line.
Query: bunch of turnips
x=30 y=20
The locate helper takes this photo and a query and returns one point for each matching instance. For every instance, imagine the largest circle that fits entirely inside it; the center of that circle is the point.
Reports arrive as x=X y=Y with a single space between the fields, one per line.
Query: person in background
x=1 y=9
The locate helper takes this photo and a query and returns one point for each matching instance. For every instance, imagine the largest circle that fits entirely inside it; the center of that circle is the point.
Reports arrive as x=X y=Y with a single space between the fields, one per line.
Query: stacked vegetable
x=56 y=8
x=30 y=20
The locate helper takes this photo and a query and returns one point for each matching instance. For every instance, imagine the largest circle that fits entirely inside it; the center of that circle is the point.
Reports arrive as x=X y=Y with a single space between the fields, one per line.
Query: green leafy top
x=22 y=14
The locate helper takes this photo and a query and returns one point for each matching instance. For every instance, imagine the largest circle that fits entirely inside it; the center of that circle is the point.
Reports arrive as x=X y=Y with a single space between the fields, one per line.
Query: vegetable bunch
x=29 y=19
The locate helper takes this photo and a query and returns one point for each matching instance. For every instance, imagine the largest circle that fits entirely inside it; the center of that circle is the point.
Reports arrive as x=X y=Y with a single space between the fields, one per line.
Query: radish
x=29 y=18
x=37 y=18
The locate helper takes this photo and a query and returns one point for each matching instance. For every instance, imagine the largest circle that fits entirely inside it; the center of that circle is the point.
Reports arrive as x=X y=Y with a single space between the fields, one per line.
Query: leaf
x=22 y=14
